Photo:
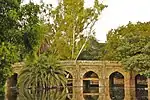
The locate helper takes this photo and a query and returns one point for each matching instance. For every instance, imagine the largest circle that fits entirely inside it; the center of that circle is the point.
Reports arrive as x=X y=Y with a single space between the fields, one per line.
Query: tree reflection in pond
x=53 y=94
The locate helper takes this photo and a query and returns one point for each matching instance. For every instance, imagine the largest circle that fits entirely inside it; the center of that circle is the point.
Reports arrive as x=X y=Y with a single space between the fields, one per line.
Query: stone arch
x=86 y=71
x=90 y=74
x=141 y=87
x=90 y=84
x=116 y=86
x=11 y=87
x=70 y=72
x=111 y=71
x=12 y=80
x=69 y=78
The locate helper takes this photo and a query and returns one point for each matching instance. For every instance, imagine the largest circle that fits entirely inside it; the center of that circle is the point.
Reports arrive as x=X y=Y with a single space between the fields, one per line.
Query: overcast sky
x=118 y=12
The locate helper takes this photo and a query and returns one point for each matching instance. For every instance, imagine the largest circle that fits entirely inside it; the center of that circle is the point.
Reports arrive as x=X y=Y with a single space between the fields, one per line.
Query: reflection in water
x=91 y=93
x=65 y=94
x=1 y=98
x=53 y=94
x=117 y=92
x=91 y=97
x=141 y=87
x=116 y=85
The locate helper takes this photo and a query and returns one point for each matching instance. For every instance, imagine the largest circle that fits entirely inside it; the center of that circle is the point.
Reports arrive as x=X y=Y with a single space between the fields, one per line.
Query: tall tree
x=70 y=26
x=15 y=20
x=8 y=34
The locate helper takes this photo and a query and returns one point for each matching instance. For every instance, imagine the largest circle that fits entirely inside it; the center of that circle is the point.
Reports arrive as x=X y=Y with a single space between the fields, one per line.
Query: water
x=74 y=93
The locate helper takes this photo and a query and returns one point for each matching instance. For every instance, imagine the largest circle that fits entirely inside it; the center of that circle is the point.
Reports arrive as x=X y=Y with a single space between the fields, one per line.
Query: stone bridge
x=103 y=74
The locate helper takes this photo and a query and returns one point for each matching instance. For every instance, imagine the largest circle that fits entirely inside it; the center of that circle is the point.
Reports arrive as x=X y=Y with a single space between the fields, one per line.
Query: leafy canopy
x=70 y=27
x=130 y=44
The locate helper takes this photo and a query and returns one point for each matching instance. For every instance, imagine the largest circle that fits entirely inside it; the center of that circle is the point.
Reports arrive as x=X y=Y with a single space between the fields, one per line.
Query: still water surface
x=76 y=93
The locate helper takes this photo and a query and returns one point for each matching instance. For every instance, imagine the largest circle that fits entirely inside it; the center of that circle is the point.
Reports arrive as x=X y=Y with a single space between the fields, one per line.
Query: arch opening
x=141 y=87
x=116 y=86
x=90 y=86
x=11 y=87
x=69 y=85
x=69 y=79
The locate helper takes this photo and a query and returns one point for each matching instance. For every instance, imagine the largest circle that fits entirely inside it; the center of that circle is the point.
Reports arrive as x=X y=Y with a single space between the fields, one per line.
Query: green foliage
x=70 y=26
x=8 y=18
x=130 y=44
x=63 y=36
x=8 y=34
x=15 y=19
x=45 y=72
x=8 y=55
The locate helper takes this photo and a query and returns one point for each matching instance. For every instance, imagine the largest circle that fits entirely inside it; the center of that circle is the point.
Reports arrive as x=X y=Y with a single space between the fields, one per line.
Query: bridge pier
x=129 y=86
x=107 y=93
x=77 y=84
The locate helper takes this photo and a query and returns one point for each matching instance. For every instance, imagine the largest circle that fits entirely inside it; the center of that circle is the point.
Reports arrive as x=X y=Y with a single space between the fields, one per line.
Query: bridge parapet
x=71 y=63
x=89 y=62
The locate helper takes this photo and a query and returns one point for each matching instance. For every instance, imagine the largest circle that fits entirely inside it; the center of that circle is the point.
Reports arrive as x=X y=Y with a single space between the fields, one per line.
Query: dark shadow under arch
x=69 y=79
x=116 y=86
x=141 y=87
x=11 y=85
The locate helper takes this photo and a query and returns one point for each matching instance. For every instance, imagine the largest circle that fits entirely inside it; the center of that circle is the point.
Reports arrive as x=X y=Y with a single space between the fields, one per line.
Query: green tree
x=15 y=20
x=130 y=44
x=70 y=27
x=8 y=33
x=8 y=55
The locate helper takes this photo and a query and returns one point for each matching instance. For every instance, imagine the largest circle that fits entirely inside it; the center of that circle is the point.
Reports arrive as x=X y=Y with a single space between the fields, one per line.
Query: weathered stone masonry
x=103 y=69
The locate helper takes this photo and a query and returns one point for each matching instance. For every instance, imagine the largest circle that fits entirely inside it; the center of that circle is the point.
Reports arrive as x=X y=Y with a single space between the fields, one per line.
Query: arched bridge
x=103 y=74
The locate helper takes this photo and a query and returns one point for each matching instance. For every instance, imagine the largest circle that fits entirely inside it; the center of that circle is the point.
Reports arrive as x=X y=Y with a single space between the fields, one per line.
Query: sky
x=118 y=13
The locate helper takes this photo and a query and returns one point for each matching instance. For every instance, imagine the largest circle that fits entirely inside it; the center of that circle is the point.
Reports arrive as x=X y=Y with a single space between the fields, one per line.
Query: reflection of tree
x=52 y=94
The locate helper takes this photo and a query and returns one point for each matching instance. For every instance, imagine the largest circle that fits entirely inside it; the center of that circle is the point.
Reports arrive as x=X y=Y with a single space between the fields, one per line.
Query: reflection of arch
x=90 y=82
x=141 y=87
x=116 y=85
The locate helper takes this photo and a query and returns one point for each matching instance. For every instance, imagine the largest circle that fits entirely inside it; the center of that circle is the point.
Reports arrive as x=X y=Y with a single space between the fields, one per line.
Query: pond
x=55 y=94
x=91 y=90
x=71 y=93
